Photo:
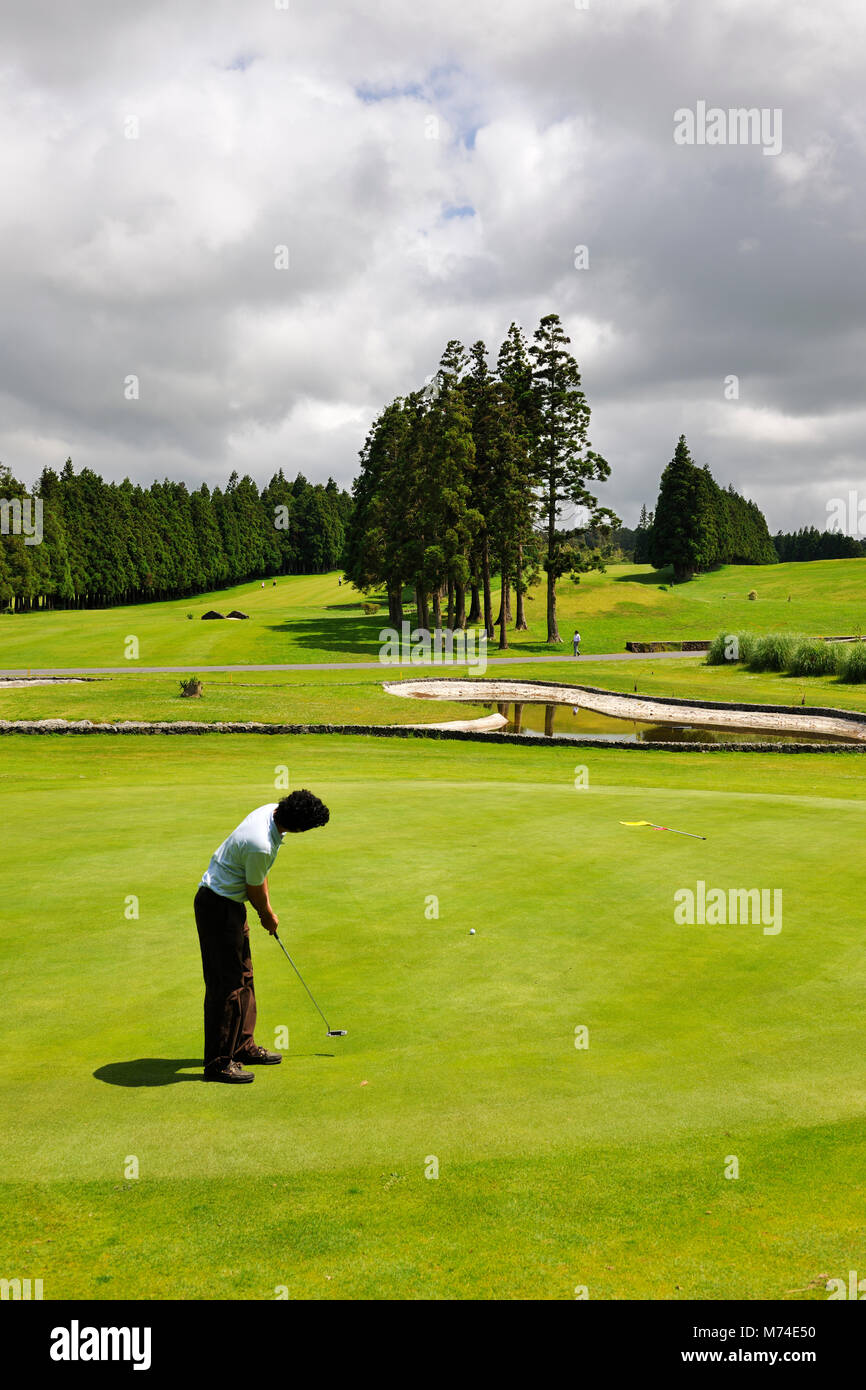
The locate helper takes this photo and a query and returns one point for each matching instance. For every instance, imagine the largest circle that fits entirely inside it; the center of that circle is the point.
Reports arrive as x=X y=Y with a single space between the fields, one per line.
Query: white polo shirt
x=246 y=856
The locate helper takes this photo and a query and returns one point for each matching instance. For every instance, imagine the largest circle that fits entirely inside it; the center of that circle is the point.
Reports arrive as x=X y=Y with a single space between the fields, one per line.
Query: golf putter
x=332 y=1032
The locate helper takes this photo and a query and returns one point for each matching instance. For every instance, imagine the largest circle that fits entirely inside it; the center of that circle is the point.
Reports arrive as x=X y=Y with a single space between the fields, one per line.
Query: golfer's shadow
x=165 y=1071
x=149 y=1071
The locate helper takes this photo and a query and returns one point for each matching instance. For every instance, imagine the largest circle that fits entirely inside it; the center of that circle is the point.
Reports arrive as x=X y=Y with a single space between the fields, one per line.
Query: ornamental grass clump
x=812 y=657
x=729 y=647
x=852 y=664
x=773 y=652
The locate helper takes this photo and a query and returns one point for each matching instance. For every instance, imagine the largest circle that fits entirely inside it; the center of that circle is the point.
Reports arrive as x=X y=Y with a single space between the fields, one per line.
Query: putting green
x=558 y=1166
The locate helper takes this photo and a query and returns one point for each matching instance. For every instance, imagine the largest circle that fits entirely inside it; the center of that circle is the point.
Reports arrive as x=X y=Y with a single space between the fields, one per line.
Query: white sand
x=486 y=723
x=643 y=711
x=6 y=684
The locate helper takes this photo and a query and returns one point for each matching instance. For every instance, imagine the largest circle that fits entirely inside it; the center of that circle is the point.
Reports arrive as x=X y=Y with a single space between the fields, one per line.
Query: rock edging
x=84 y=727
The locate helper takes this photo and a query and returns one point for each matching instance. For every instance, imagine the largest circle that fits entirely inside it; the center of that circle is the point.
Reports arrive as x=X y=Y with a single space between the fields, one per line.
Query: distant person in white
x=575 y=642
x=237 y=874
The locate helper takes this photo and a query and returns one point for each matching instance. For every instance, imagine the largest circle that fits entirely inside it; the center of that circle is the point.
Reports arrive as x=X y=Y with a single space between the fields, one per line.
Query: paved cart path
x=18 y=671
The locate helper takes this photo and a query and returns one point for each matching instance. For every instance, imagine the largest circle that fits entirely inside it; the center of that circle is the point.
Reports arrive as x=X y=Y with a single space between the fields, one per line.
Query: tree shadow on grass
x=149 y=1071
x=359 y=635
x=663 y=576
x=356 y=607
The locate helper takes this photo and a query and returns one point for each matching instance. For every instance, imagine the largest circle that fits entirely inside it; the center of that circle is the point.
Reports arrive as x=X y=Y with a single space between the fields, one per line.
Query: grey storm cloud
x=430 y=171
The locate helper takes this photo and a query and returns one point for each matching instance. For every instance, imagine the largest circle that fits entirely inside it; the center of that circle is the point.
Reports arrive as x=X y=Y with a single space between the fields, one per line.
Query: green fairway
x=559 y=1167
x=310 y=618
x=271 y=697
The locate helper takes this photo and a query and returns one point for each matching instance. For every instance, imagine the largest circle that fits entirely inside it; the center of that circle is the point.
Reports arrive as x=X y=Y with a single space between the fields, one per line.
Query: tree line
x=811 y=544
x=698 y=525
x=112 y=543
x=467 y=477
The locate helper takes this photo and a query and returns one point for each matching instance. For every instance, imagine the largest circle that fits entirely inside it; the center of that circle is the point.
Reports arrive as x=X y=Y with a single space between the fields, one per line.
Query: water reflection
x=538 y=719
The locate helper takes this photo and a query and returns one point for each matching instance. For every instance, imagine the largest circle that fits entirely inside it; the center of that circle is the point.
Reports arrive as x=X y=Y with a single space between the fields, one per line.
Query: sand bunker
x=7 y=684
x=486 y=724
x=770 y=718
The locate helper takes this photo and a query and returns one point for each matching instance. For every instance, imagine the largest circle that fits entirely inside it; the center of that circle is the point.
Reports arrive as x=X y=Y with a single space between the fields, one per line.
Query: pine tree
x=378 y=548
x=208 y=537
x=698 y=525
x=674 y=535
x=563 y=454
x=443 y=466
x=514 y=370
x=483 y=406
x=642 y=537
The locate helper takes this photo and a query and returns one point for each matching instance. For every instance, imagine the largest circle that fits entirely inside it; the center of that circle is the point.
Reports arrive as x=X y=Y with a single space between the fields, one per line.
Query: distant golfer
x=237 y=874
x=575 y=642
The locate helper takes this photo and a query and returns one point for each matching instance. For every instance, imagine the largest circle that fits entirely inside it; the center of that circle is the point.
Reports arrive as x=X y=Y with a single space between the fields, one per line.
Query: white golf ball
x=471 y=931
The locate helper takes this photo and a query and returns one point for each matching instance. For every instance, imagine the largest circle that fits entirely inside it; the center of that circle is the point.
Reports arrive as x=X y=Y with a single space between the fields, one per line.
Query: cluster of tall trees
x=109 y=543
x=811 y=544
x=468 y=477
x=697 y=524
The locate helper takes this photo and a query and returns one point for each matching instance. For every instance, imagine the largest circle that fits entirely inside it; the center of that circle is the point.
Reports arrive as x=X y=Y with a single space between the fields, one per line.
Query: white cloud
x=764 y=426
x=310 y=128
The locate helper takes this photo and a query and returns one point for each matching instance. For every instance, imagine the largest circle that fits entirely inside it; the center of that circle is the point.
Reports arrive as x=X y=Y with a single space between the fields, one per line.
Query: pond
x=537 y=719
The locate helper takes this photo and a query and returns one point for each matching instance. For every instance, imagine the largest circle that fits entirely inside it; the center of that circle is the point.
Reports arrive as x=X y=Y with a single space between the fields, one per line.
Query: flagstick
x=652 y=826
x=678 y=832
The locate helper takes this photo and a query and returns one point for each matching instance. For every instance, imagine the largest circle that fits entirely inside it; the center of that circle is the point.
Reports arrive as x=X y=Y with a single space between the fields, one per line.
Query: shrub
x=852 y=663
x=813 y=658
x=740 y=644
x=370 y=608
x=190 y=688
x=773 y=652
x=753 y=594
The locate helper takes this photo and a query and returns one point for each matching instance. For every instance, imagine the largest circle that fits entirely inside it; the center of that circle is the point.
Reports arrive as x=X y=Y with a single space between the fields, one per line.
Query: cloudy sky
x=430 y=170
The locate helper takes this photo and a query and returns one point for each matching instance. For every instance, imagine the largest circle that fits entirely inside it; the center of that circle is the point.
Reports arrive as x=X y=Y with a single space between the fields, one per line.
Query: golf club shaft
x=301 y=978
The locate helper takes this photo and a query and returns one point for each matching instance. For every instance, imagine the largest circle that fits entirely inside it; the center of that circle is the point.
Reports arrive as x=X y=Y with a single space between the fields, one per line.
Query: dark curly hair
x=299 y=811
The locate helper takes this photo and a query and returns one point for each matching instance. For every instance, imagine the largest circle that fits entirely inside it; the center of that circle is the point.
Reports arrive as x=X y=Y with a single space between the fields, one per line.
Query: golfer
x=237 y=874
x=575 y=642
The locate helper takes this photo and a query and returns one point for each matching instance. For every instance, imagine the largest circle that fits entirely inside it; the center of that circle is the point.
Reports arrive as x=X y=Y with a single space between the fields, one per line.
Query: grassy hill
x=312 y=619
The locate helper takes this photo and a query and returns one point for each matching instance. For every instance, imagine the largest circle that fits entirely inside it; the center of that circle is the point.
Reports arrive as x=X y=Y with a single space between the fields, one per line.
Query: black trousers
x=229 y=992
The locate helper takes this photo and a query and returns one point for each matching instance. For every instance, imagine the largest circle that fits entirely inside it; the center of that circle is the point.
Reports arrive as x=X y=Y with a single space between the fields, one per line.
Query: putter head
x=337 y=1032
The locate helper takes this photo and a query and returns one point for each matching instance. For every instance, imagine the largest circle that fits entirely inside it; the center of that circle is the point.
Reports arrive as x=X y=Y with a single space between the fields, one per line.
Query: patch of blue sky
x=441 y=88
x=371 y=95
